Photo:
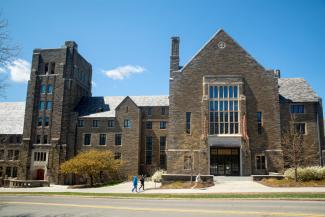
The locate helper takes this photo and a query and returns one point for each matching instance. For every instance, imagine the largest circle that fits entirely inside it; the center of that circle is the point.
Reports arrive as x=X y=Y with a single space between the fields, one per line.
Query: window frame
x=224 y=109
x=86 y=140
x=188 y=117
x=259 y=123
x=81 y=123
x=118 y=139
x=148 y=125
x=259 y=165
x=112 y=125
x=127 y=123
x=300 y=123
x=102 y=139
x=297 y=109
x=95 y=123
x=163 y=125
x=49 y=105
x=148 y=143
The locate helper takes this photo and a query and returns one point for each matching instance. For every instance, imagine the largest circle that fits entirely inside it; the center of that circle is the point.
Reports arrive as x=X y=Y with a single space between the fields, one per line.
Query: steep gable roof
x=12 y=117
x=296 y=90
x=105 y=106
x=215 y=36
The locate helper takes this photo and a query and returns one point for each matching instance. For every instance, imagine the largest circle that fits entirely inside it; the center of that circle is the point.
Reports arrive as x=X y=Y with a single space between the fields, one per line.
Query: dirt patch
x=291 y=183
x=185 y=185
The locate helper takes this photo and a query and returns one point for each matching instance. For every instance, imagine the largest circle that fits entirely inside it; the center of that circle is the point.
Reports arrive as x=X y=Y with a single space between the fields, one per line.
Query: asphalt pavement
x=28 y=206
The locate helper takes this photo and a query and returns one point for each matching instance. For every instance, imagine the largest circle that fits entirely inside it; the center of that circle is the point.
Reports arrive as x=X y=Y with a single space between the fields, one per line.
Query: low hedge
x=306 y=173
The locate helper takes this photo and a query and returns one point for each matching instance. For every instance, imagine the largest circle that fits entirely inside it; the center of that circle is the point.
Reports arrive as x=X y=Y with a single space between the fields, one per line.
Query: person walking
x=135 y=183
x=142 y=182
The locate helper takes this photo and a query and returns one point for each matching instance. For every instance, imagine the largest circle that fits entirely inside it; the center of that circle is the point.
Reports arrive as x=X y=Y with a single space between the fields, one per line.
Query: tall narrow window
x=259 y=122
x=223 y=110
x=40 y=121
x=45 y=139
x=111 y=123
x=46 y=68
x=50 y=88
x=41 y=105
x=95 y=123
x=38 y=139
x=81 y=123
x=2 y=154
x=188 y=122
x=163 y=124
x=43 y=88
x=47 y=121
x=102 y=139
x=162 y=150
x=10 y=155
x=260 y=162
x=149 y=111
x=49 y=105
x=87 y=138
x=118 y=139
x=148 y=150
x=148 y=125
x=16 y=155
x=127 y=123
x=163 y=110
x=52 y=68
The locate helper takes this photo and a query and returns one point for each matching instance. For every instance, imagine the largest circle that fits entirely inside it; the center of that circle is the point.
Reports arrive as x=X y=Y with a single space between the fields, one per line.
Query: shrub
x=306 y=174
x=157 y=176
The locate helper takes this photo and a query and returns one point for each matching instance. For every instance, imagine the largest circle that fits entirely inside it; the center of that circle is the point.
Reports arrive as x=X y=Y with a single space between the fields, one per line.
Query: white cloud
x=19 y=70
x=122 y=72
x=93 y=84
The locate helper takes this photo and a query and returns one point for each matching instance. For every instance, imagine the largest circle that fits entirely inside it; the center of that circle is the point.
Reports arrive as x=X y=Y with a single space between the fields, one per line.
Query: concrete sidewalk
x=221 y=186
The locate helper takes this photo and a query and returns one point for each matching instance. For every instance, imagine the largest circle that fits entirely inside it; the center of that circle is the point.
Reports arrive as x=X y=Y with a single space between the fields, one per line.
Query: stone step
x=232 y=178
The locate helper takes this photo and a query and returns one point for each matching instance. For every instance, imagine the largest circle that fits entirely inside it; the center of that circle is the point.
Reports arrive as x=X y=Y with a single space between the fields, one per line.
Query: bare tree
x=8 y=51
x=295 y=152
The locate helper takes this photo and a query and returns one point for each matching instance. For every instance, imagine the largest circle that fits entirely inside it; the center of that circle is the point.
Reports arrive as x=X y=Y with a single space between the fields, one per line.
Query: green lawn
x=318 y=196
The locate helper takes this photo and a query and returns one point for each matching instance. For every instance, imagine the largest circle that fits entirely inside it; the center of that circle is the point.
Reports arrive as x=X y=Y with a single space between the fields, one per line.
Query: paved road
x=28 y=206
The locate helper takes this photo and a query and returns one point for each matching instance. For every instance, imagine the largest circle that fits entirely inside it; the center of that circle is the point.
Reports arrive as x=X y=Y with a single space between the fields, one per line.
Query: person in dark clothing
x=142 y=182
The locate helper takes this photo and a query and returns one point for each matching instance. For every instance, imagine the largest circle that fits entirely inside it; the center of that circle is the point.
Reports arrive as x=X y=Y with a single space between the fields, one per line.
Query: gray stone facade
x=175 y=132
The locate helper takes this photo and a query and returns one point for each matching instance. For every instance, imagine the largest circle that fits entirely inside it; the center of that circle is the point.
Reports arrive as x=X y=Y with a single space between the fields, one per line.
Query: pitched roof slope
x=220 y=33
x=297 y=90
x=105 y=106
x=12 y=117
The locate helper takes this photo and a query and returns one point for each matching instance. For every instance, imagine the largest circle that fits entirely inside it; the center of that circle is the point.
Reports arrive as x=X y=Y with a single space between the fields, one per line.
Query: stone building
x=224 y=115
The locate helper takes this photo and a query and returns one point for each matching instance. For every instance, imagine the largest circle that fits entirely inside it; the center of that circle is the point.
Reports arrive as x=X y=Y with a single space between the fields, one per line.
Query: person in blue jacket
x=135 y=183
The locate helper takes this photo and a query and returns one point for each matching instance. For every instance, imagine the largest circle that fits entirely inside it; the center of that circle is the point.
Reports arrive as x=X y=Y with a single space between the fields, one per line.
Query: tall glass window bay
x=223 y=109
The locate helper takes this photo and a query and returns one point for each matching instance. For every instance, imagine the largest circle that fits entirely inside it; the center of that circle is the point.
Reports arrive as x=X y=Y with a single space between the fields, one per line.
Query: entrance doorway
x=40 y=174
x=224 y=161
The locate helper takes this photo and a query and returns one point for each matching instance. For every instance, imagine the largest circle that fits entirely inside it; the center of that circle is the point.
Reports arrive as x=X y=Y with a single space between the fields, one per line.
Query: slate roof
x=296 y=90
x=105 y=106
x=12 y=117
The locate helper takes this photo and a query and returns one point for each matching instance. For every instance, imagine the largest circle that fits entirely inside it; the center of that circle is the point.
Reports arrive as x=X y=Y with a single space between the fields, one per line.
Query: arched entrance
x=40 y=174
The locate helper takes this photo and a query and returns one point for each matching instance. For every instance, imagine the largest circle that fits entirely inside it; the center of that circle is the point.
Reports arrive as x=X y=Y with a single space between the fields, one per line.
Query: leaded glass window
x=223 y=109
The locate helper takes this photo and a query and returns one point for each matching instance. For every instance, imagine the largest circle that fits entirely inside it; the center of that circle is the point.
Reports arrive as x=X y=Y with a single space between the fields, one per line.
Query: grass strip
x=320 y=196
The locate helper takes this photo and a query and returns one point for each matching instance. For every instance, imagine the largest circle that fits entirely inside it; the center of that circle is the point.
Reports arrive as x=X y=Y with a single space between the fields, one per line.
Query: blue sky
x=286 y=35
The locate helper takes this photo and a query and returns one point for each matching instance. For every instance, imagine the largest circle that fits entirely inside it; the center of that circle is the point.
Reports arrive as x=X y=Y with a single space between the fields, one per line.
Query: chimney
x=277 y=73
x=71 y=44
x=174 y=58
